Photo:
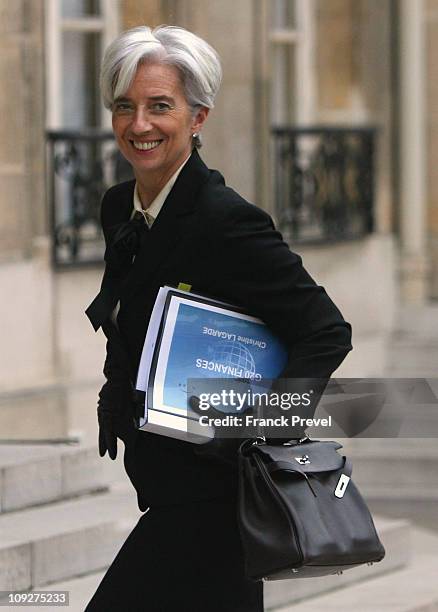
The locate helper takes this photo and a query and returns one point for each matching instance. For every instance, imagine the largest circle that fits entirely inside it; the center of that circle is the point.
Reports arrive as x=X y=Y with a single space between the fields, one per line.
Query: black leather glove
x=115 y=406
x=115 y=410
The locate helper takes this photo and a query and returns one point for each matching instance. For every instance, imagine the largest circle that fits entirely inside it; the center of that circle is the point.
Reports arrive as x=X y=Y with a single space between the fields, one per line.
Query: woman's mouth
x=145 y=146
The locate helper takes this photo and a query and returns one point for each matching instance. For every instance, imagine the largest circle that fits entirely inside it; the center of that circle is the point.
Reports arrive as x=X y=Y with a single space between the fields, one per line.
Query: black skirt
x=181 y=558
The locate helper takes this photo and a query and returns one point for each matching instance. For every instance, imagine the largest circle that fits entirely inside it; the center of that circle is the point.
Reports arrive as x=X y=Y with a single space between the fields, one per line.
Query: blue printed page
x=204 y=341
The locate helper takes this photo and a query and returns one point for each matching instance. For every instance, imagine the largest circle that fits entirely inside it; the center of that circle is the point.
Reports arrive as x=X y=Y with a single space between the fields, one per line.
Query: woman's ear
x=199 y=118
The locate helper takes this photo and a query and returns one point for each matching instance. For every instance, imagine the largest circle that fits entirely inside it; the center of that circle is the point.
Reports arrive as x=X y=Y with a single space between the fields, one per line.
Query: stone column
x=29 y=399
x=412 y=152
x=134 y=13
x=431 y=19
x=229 y=134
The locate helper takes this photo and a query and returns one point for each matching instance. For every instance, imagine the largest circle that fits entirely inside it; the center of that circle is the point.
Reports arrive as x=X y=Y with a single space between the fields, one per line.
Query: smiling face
x=154 y=125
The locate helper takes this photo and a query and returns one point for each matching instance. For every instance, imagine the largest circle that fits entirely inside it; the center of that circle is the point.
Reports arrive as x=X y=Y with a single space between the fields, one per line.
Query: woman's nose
x=140 y=121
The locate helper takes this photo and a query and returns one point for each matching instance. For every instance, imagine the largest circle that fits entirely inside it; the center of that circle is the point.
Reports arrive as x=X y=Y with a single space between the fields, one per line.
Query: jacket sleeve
x=255 y=267
x=116 y=366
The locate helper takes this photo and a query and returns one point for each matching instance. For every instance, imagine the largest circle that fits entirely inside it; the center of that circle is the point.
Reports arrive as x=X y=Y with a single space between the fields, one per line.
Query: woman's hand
x=107 y=436
x=115 y=410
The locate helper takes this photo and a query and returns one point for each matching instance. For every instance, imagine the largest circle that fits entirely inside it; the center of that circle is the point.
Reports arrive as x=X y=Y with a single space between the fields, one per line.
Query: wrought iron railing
x=324 y=183
x=323 y=186
x=82 y=165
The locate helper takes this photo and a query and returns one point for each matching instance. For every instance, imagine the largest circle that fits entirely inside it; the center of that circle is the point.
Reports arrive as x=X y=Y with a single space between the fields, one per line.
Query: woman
x=178 y=222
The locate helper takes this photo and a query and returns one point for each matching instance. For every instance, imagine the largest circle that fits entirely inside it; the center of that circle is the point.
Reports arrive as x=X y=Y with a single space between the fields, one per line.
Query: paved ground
x=414 y=344
x=412 y=589
x=414 y=353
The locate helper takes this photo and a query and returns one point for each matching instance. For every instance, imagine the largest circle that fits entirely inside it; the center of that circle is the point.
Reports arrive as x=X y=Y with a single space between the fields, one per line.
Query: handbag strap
x=286 y=466
x=348 y=467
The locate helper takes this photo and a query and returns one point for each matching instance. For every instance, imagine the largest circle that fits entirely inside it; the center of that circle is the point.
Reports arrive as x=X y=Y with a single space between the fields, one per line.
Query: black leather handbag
x=300 y=514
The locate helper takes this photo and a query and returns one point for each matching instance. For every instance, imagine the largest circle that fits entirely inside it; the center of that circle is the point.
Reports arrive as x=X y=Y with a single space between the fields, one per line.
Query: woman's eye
x=160 y=106
x=122 y=107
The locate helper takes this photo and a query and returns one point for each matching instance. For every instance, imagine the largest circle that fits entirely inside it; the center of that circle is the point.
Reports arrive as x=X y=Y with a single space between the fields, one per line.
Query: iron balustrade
x=324 y=188
x=82 y=166
x=324 y=183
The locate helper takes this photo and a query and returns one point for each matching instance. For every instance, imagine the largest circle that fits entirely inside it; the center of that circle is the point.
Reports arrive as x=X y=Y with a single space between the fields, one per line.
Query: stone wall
x=22 y=153
x=431 y=26
x=134 y=13
x=26 y=309
x=354 y=62
x=229 y=142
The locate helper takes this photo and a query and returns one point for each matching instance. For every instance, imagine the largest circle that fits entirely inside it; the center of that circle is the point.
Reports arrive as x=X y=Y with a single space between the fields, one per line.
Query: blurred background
x=328 y=119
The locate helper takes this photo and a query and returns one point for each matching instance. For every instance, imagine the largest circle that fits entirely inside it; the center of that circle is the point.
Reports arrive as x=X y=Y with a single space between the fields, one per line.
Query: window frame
x=302 y=39
x=106 y=24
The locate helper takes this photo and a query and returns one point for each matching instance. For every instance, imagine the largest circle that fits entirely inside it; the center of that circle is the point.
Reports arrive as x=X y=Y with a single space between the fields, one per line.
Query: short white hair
x=196 y=61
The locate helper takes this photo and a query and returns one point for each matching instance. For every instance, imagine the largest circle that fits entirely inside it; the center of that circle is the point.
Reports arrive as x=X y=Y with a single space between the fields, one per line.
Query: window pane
x=283 y=14
x=282 y=85
x=81 y=60
x=80 y=8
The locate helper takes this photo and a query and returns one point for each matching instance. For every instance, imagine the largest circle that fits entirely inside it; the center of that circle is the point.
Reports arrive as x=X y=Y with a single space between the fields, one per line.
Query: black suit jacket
x=208 y=236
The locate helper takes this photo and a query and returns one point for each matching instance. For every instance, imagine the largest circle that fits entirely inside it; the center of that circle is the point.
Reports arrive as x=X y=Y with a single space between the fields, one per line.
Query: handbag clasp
x=303 y=460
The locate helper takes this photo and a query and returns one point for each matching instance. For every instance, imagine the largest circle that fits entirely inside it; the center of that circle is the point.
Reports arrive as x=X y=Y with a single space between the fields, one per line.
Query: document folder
x=194 y=337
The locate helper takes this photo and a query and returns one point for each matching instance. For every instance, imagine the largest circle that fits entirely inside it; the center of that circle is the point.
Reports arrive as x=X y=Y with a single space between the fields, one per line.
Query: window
x=83 y=163
x=77 y=33
x=292 y=67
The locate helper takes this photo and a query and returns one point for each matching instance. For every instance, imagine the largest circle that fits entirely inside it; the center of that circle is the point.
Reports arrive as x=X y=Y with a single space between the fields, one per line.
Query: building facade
x=325 y=71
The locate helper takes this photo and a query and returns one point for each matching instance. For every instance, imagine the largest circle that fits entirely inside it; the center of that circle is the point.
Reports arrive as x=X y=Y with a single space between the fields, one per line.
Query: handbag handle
x=287 y=466
x=249 y=442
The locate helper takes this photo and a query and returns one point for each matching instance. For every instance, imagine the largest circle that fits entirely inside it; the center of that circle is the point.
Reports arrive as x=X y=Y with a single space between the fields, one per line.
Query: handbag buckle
x=259 y=440
x=303 y=460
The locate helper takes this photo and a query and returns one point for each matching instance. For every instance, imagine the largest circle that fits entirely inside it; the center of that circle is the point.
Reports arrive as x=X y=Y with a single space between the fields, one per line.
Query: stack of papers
x=193 y=337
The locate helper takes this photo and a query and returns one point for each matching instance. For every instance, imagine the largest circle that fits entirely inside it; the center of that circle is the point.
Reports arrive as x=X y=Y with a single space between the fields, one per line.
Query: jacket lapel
x=120 y=213
x=106 y=299
x=169 y=226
